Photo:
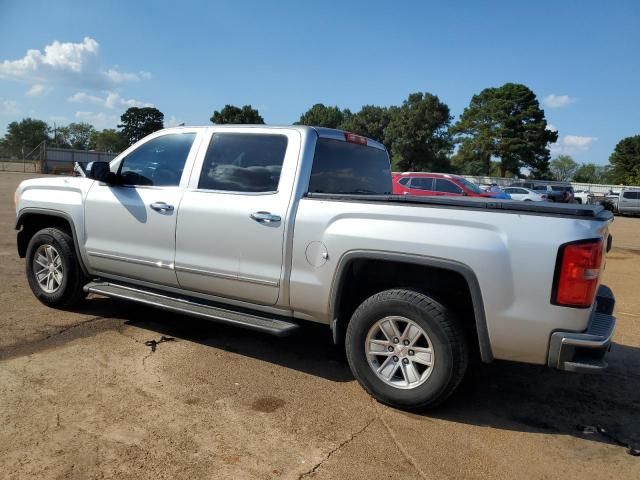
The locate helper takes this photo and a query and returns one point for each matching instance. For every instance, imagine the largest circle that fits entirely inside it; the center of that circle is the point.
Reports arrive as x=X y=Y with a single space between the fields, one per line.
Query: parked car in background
x=554 y=192
x=525 y=194
x=583 y=196
x=438 y=184
x=629 y=201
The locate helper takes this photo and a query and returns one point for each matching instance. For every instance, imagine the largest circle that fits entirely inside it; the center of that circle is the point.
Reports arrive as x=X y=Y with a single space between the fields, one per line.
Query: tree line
x=502 y=131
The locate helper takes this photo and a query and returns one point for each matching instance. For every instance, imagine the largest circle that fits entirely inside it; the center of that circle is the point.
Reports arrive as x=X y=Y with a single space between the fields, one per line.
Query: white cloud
x=557 y=101
x=8 y=107
x=111 y=100
x=68 y=64
x=99 y=120
x=570 y=144
x=173 y=122
x=36 y=90
x=579 y=142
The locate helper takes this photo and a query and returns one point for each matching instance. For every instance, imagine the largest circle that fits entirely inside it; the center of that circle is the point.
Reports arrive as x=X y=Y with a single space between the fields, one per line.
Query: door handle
x=161 y=207
x=265 y=217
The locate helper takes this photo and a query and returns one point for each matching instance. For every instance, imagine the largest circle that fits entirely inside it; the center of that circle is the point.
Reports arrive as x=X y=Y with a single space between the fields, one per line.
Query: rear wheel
x=53 y=270
x=406 y=349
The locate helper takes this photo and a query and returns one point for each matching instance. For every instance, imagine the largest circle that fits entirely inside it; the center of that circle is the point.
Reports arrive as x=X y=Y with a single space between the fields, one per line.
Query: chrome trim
x=226 y=276
x=138 y=261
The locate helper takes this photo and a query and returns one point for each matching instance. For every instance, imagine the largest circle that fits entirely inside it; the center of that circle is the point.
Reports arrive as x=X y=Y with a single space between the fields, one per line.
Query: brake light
x=353 y=138
x=577 y=273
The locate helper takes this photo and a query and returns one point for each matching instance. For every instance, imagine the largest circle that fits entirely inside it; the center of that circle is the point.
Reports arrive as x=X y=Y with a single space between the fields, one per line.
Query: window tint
x=630 y=195
x=344 y=167
x=404 y=181
x=446 y=186
x=243 y=162
x=158 y=162
x=422 y=183
x=540 y=188
x=473 y=187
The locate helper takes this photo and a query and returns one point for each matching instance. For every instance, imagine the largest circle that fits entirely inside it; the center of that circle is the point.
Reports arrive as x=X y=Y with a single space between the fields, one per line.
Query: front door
x=232 y=218
x=130 y=225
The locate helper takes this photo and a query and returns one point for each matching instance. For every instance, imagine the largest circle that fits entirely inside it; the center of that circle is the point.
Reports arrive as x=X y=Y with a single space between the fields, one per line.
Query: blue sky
x=91 y=60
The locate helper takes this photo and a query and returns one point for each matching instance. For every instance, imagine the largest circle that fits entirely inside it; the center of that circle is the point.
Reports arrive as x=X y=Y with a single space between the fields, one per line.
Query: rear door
x=231 y=221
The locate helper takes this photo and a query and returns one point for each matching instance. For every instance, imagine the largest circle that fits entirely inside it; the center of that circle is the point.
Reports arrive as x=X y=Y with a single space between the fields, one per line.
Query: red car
x=437 y=184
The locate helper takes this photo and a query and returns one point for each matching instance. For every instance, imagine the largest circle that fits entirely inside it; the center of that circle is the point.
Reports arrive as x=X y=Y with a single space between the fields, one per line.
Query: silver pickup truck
x=270 y=227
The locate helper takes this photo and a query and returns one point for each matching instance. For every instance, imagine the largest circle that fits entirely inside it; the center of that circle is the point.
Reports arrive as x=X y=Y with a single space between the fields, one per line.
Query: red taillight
x=577 y=273
x=353 y=138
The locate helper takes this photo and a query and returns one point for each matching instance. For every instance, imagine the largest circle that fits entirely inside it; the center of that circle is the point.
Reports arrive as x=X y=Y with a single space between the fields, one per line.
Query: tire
x=65 y=289
x=527 y=200
x=431 y=385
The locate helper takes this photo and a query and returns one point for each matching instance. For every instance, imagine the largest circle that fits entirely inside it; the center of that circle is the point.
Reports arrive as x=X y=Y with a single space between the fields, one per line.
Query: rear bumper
x=584 y=352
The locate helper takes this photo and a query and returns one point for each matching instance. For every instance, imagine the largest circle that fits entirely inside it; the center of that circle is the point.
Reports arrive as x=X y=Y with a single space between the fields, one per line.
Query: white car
x=525 y=194
x=583 y=196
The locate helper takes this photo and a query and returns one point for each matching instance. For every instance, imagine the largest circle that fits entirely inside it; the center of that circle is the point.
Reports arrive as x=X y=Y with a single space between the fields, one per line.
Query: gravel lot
x=82 y=397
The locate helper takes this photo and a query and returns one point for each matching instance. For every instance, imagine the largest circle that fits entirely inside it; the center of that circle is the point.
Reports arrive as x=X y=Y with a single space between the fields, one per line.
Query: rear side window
x=158 y=162
x=446 y=186
x=630 y=195
x=421 y=183
x=243 y=162
x=404 y=181
x=345 y=167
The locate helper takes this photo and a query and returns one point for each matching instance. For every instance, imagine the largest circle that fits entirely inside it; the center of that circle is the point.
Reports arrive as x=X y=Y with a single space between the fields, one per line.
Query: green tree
x=625 y=161
x=24 y=136
x=321 y=116
x=418 y=134
x=138 y=122
x=108 y=140
x=563 y=168
x=232 y=114
x=507 y=123
x=371 y=121
x=76 y=135
x=591 y=173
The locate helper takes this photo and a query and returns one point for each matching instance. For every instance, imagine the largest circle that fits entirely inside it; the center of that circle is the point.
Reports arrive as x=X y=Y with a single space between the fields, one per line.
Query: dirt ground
x=82 y=397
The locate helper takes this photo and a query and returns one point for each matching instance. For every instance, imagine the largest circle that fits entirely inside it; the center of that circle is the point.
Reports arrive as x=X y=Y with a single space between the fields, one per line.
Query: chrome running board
x=193 y=307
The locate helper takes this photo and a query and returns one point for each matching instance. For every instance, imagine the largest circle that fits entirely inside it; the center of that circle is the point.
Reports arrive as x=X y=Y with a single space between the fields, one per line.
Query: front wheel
x=53 y=270
x=406 y=349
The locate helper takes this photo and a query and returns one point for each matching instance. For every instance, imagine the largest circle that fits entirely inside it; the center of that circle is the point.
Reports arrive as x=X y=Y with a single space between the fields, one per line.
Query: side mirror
x=99 y=171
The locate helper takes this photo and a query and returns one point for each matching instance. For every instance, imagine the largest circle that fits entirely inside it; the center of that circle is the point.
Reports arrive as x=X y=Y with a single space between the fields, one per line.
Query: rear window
x=349 y=168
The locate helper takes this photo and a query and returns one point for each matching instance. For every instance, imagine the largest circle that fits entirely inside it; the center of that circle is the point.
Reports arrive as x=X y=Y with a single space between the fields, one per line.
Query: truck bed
x=587 y=212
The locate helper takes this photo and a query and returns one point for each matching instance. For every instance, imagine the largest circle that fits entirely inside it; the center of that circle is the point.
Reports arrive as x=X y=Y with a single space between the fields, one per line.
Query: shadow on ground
x=502 y=395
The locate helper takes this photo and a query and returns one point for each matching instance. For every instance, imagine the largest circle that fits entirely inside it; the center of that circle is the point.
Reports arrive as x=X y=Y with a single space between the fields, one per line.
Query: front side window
x=404 y=181
x=473 y=187
x=422 y=183
x=243 y=162
x=158 y=162
x=446 y=186
x=630 y=195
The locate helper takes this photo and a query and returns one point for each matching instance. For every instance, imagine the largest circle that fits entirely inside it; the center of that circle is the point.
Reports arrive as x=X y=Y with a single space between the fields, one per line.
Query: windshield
x=469 y=185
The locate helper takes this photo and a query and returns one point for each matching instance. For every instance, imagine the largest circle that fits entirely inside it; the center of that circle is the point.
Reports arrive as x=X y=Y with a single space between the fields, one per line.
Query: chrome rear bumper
x=584 y=352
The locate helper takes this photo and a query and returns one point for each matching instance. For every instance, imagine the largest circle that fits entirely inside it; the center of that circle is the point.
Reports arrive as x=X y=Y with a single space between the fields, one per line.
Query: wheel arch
x=338 y=322
x=32 y=220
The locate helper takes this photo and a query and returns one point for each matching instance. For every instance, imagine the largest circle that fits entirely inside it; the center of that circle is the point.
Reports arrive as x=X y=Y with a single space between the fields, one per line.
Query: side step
x=189 y=306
